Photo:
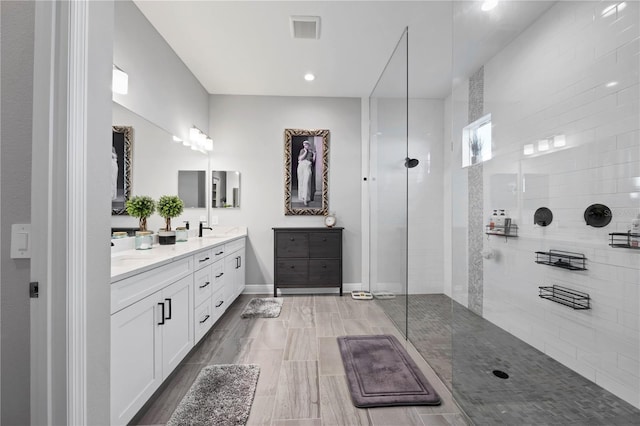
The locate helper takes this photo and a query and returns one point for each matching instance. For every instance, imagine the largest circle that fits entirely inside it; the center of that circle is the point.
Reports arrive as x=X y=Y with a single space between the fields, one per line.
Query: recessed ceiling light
x=309 y=77
x=488 y=5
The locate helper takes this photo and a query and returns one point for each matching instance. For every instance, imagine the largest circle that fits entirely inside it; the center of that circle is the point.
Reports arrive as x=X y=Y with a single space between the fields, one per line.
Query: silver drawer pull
x=204 y=319
x=205 y=284
x=221 y=274
x=219 y=303
x=204 y=260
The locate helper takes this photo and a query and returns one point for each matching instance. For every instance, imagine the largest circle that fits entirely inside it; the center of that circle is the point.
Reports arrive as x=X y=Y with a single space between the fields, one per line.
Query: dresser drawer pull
x=203 y=320
x=219 y=253
x=204 y=260
x=292 y=267
x=324 y=266
x=292 y=239
x=220 y=274
x=205 y=284
x=219 y=303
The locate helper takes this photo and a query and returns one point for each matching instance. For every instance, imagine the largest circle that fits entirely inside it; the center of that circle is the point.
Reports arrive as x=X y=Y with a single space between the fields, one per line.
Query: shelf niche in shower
x=565 y=296
x=562 y=259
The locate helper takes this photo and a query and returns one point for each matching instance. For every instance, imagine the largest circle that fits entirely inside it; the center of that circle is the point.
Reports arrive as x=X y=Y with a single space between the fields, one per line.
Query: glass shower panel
x=388 y=190
x=561 y=93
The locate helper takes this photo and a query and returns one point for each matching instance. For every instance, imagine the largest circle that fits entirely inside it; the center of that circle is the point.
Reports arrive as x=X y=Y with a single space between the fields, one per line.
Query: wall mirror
x=225 y=189
x=306 y=172
x=192 y=188
x=121 y=148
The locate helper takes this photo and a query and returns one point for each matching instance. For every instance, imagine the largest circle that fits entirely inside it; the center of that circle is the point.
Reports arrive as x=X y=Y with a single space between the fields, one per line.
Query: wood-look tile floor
x=302 y=380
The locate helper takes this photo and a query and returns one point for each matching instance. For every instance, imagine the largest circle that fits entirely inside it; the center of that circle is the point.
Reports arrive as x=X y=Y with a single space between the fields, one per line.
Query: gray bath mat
x=221 y=395
x=265 y=307
x=380 y=373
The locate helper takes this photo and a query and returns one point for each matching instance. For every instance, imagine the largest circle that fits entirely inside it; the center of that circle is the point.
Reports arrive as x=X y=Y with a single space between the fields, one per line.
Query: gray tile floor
x=302 y=380
x=539 y=390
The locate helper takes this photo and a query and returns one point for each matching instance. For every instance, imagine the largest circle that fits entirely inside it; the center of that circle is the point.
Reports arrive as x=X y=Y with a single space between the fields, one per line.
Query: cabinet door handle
x=219 y=275
x=161 y=313
x=205 y=284
x=219 y=303
x=203 y=320
x=219 y=253
x=204 y=260
x=169 y=300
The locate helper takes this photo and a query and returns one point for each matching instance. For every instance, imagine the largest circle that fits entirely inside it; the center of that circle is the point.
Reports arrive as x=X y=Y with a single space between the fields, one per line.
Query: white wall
x=17 y=95
x=248 y=135
x=161 y=87
x=553 y=80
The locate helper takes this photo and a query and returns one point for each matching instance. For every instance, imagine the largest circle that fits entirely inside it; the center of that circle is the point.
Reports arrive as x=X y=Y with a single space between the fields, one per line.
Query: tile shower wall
x=575 y=73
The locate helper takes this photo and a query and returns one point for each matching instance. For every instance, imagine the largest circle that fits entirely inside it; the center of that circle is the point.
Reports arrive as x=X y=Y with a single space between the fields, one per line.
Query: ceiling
x=246 y=47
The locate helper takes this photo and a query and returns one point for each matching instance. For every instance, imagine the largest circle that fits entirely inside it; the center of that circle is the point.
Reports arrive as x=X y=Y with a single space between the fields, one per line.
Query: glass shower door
x=388 y=191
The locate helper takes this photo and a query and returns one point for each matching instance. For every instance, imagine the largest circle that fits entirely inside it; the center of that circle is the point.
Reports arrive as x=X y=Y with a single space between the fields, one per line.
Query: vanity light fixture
x=559 y=141
x=309 y=77
x=177 y=139
x=543 y=145
x=489 y=5
x=199 y=140
x=528 y=149
x=119 y=81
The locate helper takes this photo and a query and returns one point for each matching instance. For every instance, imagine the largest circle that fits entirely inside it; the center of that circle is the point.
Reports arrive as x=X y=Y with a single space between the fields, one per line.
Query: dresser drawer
x=292 y=244
x=204 y=282
x=325 y=244
x=292 y=271
x=324 y=272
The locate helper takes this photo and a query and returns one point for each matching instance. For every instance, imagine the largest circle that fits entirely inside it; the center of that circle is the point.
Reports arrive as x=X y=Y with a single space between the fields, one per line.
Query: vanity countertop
x=128 y=262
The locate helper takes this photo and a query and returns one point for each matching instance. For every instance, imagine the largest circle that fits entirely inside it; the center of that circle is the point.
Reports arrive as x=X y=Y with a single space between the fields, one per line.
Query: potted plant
x=141 y=206
x=168 y=206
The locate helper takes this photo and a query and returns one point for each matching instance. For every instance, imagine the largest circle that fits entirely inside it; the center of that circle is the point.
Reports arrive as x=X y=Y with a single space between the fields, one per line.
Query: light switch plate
x=21 y=241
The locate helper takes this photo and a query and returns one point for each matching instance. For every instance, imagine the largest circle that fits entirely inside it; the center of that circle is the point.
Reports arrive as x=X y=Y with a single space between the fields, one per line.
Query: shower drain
x=500 y=374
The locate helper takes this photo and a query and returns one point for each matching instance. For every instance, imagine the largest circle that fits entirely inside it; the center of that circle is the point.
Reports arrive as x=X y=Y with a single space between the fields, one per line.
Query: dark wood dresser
x=307 y=258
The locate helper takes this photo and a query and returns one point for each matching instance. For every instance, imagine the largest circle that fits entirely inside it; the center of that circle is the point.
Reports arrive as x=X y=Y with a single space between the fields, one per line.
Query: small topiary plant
x=141 y=206
x=169 y=206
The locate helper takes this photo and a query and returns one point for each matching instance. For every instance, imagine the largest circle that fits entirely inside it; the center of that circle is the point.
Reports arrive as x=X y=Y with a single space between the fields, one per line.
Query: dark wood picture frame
x=121 y=149
x=313 y=199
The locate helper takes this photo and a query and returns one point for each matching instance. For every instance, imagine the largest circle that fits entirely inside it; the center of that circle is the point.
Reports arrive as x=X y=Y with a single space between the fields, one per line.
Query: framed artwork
x=121 y=168
x=306 y=171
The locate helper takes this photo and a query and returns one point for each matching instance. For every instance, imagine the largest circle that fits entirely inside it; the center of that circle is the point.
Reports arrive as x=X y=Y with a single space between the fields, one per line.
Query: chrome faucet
x=200 y=228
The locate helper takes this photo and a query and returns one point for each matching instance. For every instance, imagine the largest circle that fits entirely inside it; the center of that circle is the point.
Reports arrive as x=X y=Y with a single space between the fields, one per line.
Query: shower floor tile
x=539 y=390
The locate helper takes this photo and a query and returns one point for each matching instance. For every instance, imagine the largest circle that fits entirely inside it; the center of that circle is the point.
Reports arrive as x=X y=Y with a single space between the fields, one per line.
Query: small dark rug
x=220 y=396
x=265 y=307
x=380 y=373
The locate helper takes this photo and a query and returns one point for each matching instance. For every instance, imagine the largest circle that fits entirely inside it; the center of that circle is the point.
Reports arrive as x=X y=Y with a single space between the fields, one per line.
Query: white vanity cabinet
x=149 y=336
x=162 y=303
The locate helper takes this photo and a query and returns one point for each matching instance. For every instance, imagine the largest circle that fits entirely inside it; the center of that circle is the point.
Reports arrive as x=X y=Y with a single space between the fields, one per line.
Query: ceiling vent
x=305 y=27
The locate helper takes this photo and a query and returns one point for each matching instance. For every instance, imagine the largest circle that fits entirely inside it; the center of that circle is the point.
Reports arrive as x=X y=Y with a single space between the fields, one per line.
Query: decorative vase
x=166 y=237
x=181 y=234
x=144 y=240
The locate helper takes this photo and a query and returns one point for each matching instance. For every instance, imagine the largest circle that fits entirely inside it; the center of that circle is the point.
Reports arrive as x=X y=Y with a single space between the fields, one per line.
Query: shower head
x=410 y=163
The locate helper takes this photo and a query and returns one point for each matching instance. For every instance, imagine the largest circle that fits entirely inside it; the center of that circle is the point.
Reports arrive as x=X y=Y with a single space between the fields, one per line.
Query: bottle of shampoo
x=500 y=222
x=492 y=220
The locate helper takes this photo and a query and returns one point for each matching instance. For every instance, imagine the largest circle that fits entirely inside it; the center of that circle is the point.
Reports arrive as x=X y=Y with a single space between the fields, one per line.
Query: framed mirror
x=306 y=170
x=225 y=189
x=122 y=143
x=192 y=186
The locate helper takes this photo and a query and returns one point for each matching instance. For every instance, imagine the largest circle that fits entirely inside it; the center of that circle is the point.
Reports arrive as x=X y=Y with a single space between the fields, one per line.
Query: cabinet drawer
x=217 y=270
x=203 y=258
x=292 y=244
x=218 y=252
x=204 y=319
x=204 y=283
x=292 y=271
x=324 y=272
x=218 y=304
x=325 y=244
x=234 y=245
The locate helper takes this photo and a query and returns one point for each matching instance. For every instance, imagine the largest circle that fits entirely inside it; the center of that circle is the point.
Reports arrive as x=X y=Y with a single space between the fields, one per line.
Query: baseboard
x=268 y=289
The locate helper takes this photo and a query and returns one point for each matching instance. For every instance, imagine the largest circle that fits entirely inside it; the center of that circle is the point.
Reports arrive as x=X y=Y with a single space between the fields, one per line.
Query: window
x=476 y=141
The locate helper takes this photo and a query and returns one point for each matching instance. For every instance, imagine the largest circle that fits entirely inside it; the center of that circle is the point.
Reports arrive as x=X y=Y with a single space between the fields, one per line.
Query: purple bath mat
x=380 y=373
